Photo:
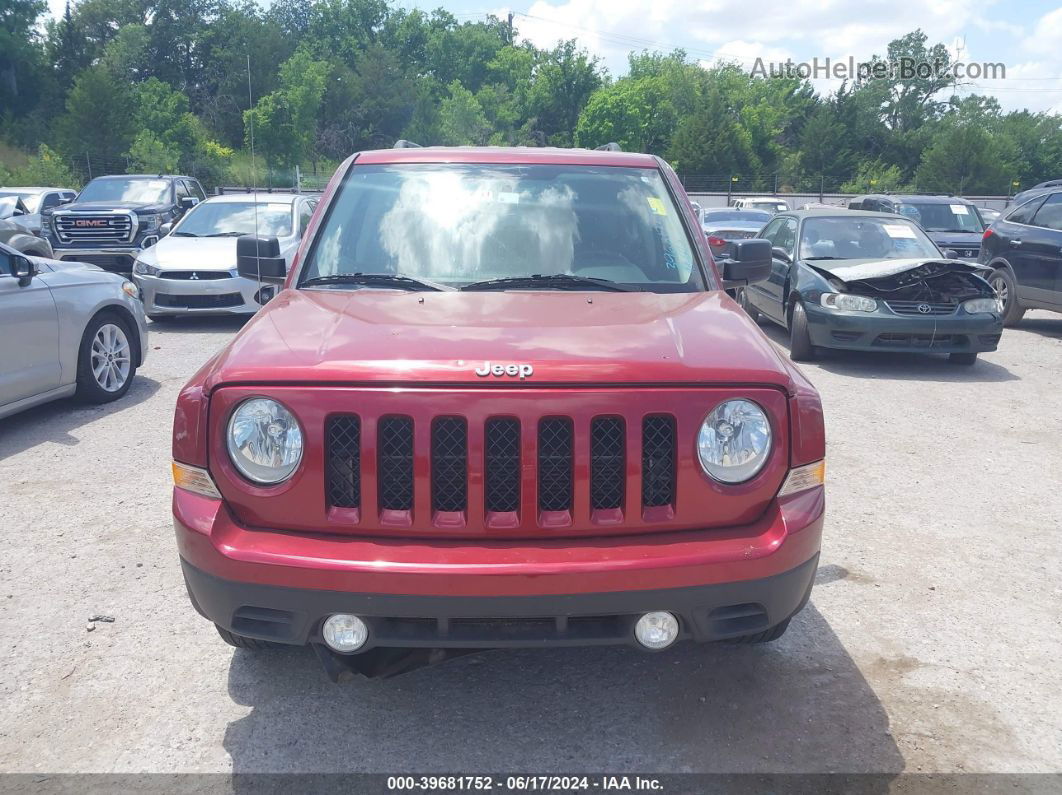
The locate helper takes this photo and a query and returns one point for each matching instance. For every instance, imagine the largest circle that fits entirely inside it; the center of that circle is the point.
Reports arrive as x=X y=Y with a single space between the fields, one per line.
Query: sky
x=1024 y=35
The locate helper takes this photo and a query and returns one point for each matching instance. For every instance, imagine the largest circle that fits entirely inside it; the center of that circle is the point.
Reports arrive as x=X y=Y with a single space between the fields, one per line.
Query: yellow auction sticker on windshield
x=656 y=205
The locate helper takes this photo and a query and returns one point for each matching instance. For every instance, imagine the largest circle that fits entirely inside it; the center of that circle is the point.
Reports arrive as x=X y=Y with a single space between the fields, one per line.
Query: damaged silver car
x=871 y=282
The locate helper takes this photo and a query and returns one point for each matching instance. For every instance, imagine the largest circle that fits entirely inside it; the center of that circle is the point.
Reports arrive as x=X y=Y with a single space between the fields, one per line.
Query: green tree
x=713 y=141
x=565 y=78
x=284 y=122
x=47 y=168
x=461 y=119
x=94 y=123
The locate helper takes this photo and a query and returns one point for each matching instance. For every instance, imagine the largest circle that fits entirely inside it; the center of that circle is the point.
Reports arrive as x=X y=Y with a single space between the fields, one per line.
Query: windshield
x=458 y=224
x=30 y=198
x=138 y=190
x=750 y=216
x=218 y=219
x=767 y=207
x=942 y=217
x=864 y=238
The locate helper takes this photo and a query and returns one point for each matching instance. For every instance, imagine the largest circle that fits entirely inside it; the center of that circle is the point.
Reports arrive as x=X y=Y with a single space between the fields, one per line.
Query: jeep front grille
x=499 y=466
x=94 y=228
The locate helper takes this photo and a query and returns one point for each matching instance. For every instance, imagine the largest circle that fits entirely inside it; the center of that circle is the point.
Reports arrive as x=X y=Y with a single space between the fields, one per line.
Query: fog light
x=344 y=632
x=656 y=630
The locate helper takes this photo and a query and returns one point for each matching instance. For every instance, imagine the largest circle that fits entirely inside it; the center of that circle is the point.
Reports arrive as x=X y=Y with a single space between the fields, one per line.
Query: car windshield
x=750 y=216
x=224 y=219
x=30 y=198
x=864 y=238
x=138 y=190
x=456 y=225
x=934 y=217
x=767 y=207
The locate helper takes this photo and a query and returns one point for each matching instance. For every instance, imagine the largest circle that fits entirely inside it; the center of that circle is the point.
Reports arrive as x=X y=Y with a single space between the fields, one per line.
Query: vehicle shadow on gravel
x=1045 y=325
x=897 y=366
x=797 y=705
x=202 y=324
x=57 y=421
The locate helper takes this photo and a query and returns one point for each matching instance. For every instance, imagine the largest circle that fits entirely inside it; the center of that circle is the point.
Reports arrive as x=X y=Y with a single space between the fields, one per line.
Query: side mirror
x=749 y=261
x=951 y=253
x=187 y=202
x=22 y=269
x=781 y=254
x=165 y=229
x=63 y=200
x=259 y=258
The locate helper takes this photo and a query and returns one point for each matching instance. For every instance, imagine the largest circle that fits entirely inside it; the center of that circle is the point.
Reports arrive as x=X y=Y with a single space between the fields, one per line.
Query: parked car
x=767 y=204
x=35 y=201
x=871 y=282
x=724 y=225
x=115 y=217
x=192 y=270
x=1024 y=251
x=989 y=216
x=953 y=223
x=1036 y=190
x=17 y=236
x=69 y=329
x=502 y=400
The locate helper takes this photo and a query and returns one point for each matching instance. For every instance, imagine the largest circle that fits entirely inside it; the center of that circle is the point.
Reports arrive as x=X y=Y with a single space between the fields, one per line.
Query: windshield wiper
x=226 y=234
x=814 y=258
x=372 y=279
x=556 y=281
x=185 y=234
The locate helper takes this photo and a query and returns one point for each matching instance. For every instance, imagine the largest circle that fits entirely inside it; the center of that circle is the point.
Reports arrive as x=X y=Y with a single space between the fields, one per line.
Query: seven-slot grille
x=921 y=307
x=501 y=462
x=101 y=228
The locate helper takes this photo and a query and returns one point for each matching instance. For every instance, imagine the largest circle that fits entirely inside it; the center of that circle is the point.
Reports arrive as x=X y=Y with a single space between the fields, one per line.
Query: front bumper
x=229 y=296
x=884 y=331
x=115 y=259
x=437 y=594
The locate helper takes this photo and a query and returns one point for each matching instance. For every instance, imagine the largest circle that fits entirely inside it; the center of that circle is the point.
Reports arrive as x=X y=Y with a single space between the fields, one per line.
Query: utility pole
x=511 y=34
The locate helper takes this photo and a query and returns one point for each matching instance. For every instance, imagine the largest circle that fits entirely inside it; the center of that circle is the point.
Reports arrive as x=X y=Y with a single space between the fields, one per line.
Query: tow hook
x=382 y=663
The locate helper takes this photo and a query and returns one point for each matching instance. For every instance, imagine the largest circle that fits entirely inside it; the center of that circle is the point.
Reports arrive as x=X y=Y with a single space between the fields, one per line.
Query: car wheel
x=106 y=363
x=774 y=633
x=800 y=347
x=1007 y=292
x=241 y=642
x=743 y=302
x=962 y=358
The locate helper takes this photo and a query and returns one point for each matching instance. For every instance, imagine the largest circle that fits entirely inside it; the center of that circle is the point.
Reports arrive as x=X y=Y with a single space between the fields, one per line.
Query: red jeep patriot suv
x=502 y=400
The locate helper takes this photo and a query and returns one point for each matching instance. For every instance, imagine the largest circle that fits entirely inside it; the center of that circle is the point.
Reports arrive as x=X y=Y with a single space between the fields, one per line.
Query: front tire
x=743 y=302
x=1007 y=292
x=800 y=347
x=106 y=360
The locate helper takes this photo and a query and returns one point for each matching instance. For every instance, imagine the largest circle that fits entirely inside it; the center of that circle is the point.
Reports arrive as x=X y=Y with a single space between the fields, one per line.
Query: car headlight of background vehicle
x=977 y=306
x=150 y=222
x=264 y=441
x=734 y=442
x=143 y=269
x=850 y=303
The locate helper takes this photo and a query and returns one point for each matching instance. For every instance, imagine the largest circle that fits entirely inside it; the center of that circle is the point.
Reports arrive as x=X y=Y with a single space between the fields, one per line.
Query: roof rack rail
x=402 y=143
x=611 y=146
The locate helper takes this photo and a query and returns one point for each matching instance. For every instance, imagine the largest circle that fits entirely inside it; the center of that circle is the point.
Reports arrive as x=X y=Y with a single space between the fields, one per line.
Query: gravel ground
x=932 y=642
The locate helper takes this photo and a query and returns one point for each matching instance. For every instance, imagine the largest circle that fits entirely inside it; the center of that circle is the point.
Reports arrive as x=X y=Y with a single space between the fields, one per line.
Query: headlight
x=977 y=306
x=143 y=269
x=849 y=303
x=734 y=442
x=264 y=441
x=150 y=222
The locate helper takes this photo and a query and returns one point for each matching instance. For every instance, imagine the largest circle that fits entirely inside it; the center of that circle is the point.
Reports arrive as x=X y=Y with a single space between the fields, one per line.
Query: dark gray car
x=953 y=223
x=16 y=235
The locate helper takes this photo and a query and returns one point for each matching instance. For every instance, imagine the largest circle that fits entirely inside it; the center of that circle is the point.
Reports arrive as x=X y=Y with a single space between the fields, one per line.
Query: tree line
x=180 y=85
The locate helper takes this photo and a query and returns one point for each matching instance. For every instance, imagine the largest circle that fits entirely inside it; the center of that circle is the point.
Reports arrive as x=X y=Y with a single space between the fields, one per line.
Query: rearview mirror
x=781 y=254
x=22 y=269
x=749 y=261
x=259 y=258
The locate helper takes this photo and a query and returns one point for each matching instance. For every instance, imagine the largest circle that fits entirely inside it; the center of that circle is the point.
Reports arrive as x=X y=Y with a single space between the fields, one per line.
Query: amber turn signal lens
x=195 y=480
x=803 y=478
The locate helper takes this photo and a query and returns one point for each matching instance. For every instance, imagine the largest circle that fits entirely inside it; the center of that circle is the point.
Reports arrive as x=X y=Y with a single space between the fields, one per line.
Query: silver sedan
x=70 y=329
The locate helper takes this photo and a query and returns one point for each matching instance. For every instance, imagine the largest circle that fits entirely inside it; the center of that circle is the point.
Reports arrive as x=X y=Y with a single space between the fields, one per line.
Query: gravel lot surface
x=933 y=641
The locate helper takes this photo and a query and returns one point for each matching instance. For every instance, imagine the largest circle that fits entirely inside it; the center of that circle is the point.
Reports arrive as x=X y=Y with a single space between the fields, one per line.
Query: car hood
x=192 y=253
x=858 y=270
x=386 y=336
x=88 y=207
